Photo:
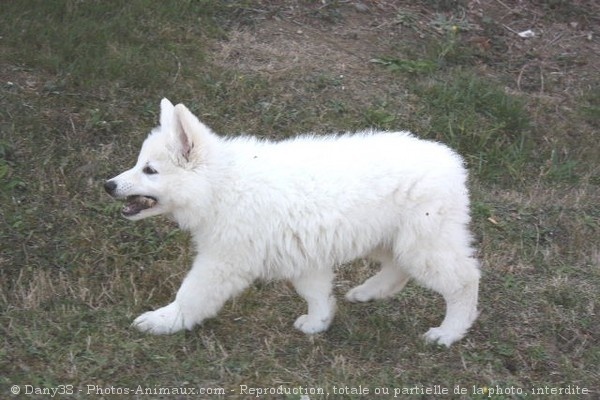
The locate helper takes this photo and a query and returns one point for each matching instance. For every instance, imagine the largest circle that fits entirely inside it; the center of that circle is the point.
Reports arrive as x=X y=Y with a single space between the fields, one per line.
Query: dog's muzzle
x=134 y=204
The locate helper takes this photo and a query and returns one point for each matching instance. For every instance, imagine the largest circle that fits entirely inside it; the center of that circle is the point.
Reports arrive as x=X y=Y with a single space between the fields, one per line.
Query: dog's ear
x=191 y=137
x=167 y=111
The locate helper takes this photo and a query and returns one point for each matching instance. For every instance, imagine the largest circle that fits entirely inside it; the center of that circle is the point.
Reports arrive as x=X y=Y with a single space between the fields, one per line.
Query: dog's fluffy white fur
x=294 y=209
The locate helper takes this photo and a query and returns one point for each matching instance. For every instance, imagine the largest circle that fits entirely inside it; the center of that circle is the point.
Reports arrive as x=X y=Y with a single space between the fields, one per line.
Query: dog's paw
x=165 y=320
x=442 y=337
x=310 y=324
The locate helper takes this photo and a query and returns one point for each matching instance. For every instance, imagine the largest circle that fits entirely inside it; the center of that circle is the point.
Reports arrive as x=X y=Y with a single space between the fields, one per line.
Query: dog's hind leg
x=461 y=312
x=456 y=278
x=386 y=283
x=315 y=286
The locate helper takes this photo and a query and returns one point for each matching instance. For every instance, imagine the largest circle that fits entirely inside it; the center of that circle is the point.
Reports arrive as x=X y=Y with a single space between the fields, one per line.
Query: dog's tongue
x=135 y=204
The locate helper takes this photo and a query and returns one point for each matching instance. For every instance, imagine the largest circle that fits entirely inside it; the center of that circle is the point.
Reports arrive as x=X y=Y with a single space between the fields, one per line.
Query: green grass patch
x=488 y=126
x=86 y=43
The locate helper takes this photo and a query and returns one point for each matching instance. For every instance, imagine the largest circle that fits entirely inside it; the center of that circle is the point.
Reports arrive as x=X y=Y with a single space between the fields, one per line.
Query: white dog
x=295 y=209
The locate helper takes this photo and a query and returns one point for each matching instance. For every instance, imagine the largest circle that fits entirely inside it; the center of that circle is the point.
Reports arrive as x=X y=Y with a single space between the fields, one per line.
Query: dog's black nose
x=110 y=187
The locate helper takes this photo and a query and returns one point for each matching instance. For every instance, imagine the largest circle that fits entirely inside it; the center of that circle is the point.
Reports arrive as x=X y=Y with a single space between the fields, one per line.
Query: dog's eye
x=148 y=170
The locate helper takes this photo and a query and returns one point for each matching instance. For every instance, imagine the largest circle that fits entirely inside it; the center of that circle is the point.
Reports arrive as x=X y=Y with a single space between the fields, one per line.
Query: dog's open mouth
x=135 y=204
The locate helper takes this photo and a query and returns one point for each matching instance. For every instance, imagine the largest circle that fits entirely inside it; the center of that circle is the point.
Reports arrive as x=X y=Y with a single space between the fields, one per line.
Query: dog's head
x=170 y=155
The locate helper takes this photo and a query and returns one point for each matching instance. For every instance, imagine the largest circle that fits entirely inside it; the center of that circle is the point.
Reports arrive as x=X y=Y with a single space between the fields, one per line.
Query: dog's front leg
x=203 y=292
x=162 y=321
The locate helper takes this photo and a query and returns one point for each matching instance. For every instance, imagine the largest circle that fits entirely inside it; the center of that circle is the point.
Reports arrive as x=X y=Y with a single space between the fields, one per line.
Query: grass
x=483 y=122
x=80 y=84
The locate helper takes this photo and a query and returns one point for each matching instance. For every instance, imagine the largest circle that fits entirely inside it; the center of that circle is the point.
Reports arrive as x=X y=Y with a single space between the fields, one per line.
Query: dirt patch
x=562 y=52
x=300 y=45
x=299 y=38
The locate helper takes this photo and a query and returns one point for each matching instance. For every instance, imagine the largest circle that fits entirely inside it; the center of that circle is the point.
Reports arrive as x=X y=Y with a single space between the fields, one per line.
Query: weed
x=560 y=169
x=590 y=106
x=452 y=24
x=406 y=18
x=406 y=66
x=8 y=182
x=380 y=117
